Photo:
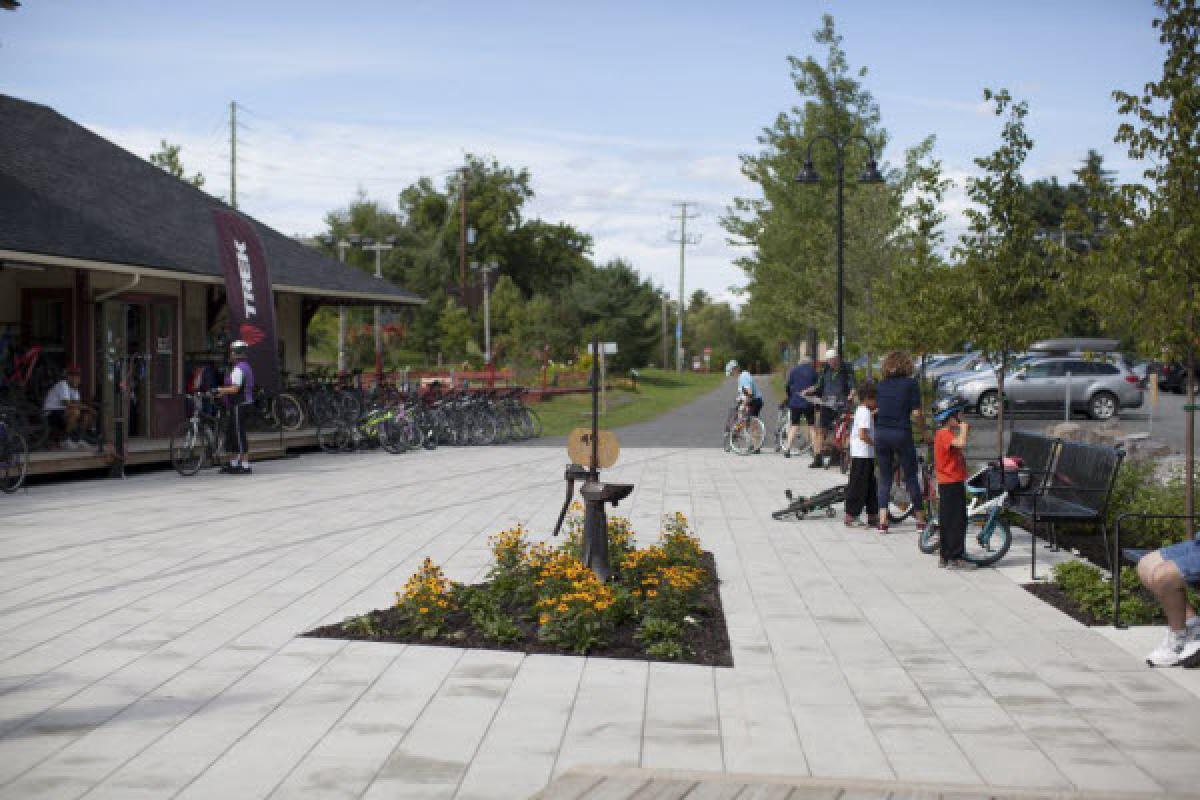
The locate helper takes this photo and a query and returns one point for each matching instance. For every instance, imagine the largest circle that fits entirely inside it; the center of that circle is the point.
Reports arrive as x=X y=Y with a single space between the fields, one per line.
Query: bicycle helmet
x=239 y=347
x=947 y=407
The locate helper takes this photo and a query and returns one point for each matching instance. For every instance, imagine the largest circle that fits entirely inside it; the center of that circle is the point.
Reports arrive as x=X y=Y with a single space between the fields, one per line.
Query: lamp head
x=808 y=174
x=871 y=173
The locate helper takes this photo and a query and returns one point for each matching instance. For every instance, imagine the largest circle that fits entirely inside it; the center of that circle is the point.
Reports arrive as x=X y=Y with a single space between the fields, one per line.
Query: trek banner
x=248 y=297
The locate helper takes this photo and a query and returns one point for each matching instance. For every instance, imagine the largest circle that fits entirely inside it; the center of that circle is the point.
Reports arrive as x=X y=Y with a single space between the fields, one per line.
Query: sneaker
x=228 y=469
x=817 y=463
x=244 y=469
x=851 y=522
x=787 y=453
x=942 y=563
x=1168 y=653
x=881 y=529
x=962 y=563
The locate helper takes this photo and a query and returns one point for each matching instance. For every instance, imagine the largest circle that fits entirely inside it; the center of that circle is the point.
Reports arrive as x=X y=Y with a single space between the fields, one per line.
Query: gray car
x=1098 y=388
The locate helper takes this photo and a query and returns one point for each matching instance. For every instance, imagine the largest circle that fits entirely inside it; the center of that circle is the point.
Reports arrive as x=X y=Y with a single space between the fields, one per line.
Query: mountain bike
x=989 y=489
x=744 y=434
x=380 y=427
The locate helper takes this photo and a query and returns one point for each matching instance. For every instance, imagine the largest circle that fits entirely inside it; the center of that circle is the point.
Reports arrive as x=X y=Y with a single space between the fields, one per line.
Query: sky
x=619 y=108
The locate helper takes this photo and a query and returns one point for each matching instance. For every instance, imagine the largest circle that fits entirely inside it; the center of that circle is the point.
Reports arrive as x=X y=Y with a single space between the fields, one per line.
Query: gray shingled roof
x=64 y=191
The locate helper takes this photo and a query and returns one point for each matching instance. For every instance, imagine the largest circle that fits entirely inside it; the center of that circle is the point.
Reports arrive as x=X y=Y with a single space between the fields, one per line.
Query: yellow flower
x=423 y=610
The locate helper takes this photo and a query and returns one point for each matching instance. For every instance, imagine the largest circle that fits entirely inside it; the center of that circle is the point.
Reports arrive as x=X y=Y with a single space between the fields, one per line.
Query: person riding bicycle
x=748 y=388
x=801 y=378
x=950 y=467
x=238 y=392
x=833 y=388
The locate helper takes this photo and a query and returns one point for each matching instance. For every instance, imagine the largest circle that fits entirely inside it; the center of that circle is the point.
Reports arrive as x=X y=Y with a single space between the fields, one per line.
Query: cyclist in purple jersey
x=238 y=392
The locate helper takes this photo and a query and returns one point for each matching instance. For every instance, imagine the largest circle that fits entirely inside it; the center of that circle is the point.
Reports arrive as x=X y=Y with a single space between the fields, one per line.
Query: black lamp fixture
x=870 y=174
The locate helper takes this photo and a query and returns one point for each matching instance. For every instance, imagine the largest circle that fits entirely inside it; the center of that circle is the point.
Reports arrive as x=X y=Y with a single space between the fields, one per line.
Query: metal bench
x=1134 y=554
x=1076 y=491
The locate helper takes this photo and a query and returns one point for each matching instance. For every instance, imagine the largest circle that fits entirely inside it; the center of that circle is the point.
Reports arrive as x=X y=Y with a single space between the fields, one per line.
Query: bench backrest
x=1086 y=466
x=1037 y=452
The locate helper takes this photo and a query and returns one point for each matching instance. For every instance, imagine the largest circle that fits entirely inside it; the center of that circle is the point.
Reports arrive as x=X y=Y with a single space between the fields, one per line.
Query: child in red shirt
x=950 y=466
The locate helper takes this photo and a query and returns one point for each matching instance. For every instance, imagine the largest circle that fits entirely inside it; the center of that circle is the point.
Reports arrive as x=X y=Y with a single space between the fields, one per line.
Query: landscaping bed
x=663 y=603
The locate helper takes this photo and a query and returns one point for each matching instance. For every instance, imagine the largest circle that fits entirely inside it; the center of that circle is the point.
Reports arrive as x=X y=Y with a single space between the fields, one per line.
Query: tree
x=167 y=159
x=1007 y=269
x=456 y=329
x=1155 y=260
x=615 y=303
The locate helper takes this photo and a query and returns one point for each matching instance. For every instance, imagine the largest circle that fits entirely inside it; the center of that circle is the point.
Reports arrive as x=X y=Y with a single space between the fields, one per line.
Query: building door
x=167 y=406
x=110 y=355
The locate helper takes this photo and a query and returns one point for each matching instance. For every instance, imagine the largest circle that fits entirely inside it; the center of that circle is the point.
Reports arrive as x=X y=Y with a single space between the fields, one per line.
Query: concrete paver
x=148 y=644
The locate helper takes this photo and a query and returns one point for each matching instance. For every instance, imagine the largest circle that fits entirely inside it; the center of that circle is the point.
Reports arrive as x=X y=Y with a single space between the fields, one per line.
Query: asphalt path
x=695 y=424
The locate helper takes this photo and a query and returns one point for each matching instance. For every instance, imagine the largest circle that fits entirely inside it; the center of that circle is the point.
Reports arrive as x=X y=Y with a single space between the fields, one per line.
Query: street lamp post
x=870 y=174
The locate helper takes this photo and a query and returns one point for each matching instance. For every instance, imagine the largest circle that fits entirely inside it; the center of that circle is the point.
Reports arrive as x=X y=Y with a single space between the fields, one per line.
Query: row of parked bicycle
x=347 y=421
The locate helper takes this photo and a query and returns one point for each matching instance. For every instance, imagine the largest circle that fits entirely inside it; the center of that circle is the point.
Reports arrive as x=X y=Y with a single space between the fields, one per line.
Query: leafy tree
x=1009 y=271
x=456 y=330
x=167 y=159
x=1154 y=260
x=615 y=303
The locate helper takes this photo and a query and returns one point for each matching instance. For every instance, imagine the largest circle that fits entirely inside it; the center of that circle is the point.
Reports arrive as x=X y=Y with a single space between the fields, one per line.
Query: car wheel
x=989 y=404
x=1103 y=405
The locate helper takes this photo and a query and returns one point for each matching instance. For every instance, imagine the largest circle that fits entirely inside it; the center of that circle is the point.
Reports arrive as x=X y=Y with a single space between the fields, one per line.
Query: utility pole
x=486 y=270
x=664 y=329
x=341 y=358
x=684 y=240
x=233 y=154
x=462 y=237
x=378 y=247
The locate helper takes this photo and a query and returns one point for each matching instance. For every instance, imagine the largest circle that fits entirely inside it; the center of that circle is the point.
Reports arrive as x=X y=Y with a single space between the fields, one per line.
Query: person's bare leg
x=818 y=439
x=790 y=438
x=1163 y=579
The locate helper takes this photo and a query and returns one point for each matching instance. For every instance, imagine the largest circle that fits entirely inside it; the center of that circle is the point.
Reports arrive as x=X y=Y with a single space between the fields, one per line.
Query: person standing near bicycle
x=950 y=467
x=238 y=393
x=861 y=490
x=833 y=387
x=899 y=404
x=800 y=379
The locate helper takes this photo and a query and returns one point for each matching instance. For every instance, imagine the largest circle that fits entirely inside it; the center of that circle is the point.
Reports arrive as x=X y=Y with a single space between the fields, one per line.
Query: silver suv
x=1098 y=388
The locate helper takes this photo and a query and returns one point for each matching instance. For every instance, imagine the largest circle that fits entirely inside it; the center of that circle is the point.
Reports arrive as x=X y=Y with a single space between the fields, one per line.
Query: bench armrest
x=1087 y=489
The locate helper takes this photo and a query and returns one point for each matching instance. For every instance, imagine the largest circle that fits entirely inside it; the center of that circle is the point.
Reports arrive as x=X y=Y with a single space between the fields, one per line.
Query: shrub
x=1138 y=490
x=1087 y=587
x=662 y=638
x=426 y=601
x=619 y=529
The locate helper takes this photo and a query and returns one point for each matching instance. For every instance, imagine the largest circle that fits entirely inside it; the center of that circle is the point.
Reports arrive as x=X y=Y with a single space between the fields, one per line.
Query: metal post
x=679 y=317
x=341 y=351
x=1067 y=403
x=594 y=469
x=233 y=154
x=841 y=236
x=462 y=238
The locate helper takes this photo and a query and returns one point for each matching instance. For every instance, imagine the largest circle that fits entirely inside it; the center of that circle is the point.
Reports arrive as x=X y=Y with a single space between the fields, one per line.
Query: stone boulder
x=1067 y=431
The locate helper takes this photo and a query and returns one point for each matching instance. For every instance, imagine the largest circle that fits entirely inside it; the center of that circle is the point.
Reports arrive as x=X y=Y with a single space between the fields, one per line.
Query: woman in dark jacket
x=899 y=398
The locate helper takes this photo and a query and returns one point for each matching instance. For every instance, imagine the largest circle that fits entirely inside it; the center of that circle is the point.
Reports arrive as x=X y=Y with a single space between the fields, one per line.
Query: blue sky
x=617 y=108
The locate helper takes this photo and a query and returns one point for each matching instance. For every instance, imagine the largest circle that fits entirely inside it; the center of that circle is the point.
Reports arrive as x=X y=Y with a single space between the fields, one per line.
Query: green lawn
x=658 y=392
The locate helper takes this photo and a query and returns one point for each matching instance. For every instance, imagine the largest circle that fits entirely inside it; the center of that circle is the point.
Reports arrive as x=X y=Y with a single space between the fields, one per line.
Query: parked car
x=955 y=363
x=1172 y=377
x=948 y=384
x=1099 y=388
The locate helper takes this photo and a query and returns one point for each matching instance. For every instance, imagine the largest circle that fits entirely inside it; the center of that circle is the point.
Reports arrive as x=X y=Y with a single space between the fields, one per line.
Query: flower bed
x=662 y=603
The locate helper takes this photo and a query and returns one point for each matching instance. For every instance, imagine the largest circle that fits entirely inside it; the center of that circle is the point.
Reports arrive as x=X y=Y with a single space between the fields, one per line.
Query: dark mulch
x=707 y=642
x=1053 y=594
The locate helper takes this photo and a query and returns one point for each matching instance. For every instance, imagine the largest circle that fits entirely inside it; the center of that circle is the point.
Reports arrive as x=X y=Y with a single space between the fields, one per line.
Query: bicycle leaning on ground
x=744 y=434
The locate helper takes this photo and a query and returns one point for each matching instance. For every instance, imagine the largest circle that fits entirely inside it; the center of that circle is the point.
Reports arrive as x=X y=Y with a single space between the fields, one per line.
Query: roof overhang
x=331 y=296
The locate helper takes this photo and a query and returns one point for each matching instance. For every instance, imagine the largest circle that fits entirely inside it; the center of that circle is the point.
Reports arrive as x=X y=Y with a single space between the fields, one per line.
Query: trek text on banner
x=248 y=295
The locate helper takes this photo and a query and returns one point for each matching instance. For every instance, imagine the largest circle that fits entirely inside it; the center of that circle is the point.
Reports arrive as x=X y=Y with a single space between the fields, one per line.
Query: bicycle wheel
x=188 y=448
x=334 y=437
x=758 y=432
x=289 y=412
x=991 y=543
x=391 y=436
x=534 y=423
x=742 y=437
x=483 y=429
x=900 y=505
x=14 y=460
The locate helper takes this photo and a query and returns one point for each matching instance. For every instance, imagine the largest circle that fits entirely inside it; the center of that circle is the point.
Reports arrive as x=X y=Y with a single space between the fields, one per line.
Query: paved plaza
x=148 y=645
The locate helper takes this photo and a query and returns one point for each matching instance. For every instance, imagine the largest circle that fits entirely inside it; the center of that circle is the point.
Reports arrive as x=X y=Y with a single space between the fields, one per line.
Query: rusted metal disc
x=579 y=448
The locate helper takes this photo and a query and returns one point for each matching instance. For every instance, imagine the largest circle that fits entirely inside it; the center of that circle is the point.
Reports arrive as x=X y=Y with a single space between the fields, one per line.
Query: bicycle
x=199 y=441
x=377 y=427
x=744 y=434
x=783 y=421
x=14 y=457
x=989 y=488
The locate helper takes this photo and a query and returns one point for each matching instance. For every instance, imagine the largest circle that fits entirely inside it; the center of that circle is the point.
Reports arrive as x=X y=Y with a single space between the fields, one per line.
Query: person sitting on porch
x=65 y=413
x=238 y=392
x=1166 y=573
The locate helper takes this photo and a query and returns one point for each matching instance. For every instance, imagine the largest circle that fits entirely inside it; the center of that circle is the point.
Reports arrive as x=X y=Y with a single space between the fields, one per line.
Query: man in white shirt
x=64 y=411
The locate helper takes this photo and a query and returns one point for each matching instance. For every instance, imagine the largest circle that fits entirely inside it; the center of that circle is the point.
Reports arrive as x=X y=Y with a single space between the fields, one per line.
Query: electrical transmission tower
x=684 y=239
